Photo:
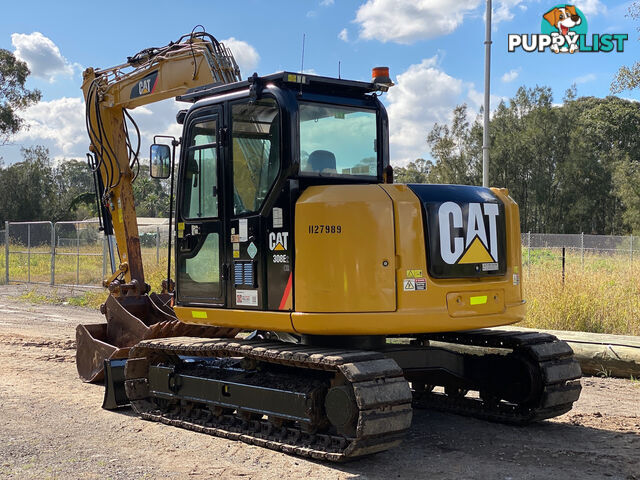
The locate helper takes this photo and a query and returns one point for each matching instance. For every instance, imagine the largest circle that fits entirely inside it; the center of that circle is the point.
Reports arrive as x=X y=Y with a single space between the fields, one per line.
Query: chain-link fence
x=589 y=244
x=68 y=253
x=154 y=240
x=563 y=251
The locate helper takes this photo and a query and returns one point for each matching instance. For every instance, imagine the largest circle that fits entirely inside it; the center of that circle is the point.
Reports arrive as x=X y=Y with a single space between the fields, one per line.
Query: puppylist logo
x=564 y=30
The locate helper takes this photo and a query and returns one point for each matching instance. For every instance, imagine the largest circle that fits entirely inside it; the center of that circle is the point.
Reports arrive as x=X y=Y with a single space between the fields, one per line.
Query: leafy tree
x=628 y=77
x=415 y=172
x=75 y=191
x=14 y=97
x=26 y=187
x=36 y=189
x=627 y=187
x=33 y=189
x=456 y=151
x=151 y=195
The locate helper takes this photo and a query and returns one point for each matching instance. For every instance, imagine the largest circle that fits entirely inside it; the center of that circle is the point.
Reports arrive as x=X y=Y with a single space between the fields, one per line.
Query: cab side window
x=200 y=197
x=256 y=152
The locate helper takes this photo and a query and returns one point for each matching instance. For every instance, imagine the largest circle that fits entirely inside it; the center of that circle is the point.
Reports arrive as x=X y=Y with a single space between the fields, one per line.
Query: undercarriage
x=337 y=403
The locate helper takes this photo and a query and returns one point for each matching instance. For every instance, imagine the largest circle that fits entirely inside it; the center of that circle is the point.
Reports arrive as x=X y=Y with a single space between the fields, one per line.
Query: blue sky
x=434 y=49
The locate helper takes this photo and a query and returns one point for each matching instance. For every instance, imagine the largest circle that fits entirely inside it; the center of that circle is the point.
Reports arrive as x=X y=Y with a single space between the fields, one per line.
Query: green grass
x=601 y=295
x=36 y=267
x=69 y=271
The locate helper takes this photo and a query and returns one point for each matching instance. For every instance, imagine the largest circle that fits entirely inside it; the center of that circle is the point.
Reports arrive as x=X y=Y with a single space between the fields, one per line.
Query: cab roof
x=302 y=81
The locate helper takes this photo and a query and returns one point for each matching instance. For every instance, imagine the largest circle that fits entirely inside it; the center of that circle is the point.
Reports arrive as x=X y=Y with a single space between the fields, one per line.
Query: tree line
x=36 y=188
x=572 y=167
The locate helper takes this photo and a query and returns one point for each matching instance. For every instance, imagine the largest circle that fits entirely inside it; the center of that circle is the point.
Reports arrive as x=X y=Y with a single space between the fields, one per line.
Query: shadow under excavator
x=440 y=445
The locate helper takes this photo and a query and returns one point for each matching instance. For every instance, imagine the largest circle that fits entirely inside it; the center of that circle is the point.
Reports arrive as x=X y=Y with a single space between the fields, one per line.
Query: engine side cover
x=345 y=250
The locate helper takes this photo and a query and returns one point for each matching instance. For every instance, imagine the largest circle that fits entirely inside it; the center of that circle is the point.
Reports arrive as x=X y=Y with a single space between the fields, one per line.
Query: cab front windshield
x=337 y=140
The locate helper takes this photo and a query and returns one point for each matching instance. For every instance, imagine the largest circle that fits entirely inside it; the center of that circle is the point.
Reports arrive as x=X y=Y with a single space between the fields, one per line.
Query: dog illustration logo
x=565 y=19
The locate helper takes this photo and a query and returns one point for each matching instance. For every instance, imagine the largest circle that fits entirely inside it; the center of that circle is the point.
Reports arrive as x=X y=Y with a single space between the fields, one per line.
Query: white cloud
x=246 y=56
x=57 y=124
x=406 y=21
x=589 y=77
x=423 y=95
x=511 y=75
x=42 y=56
x=344 y=35
x=327 y=3
x=505 y=10
x=591 y=7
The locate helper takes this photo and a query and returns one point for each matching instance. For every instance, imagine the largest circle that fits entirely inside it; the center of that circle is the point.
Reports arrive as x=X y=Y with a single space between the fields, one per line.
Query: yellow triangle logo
x=476 y=253
x=279 y=246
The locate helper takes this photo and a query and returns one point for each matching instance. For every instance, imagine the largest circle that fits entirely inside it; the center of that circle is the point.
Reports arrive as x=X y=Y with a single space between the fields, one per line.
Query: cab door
x=253 y=165
x=200 y=247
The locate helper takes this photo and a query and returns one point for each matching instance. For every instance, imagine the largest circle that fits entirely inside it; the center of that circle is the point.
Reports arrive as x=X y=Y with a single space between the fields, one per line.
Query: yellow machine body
x=353 y=282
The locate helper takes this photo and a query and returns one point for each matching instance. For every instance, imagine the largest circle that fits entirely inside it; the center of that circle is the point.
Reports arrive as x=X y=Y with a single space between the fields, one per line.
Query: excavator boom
x=154 y=74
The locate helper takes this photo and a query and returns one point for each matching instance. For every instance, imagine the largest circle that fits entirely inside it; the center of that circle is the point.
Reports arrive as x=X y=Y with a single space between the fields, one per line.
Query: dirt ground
x=52 y=426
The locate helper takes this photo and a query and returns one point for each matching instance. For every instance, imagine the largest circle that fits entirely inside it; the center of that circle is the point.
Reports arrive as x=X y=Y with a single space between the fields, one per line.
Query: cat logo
x=278 y=241
x=473 y=246
x=145 y=86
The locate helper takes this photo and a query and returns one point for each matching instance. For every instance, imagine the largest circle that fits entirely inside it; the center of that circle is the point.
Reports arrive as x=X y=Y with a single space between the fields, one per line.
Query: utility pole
x=487 y=98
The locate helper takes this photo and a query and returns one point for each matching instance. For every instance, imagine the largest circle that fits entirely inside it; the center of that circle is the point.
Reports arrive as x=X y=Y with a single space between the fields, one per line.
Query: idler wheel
x=342 y=411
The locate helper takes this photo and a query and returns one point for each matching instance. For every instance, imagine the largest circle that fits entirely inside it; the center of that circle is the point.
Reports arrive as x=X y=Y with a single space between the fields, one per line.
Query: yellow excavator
x=315 y=303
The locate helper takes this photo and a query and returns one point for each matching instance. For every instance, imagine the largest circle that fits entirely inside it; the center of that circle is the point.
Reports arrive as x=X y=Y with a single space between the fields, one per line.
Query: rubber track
x=558 y=371
x=382 y=394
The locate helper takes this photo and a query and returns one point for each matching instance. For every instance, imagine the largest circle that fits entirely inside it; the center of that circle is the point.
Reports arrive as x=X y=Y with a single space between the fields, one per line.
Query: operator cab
x=249 y=149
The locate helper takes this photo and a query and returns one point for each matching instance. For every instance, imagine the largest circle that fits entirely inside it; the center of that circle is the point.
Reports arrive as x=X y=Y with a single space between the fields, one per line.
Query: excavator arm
x=154 y=74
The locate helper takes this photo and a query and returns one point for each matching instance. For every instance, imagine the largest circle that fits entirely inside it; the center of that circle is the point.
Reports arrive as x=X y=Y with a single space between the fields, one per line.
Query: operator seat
x=322 y=161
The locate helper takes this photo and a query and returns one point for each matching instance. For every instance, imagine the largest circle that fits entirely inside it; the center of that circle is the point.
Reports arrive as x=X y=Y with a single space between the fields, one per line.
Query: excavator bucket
x=129 y=320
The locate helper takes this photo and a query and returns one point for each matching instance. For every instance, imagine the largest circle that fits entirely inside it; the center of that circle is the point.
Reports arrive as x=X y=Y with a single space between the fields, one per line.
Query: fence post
x=563 y=257
x=53 y=253
x=104 y=256
x=582 y=248
x=6 y=250
x=631 y=250
x=157 y=245
x=529 y=251
x=77 y=255
x=28 y=253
